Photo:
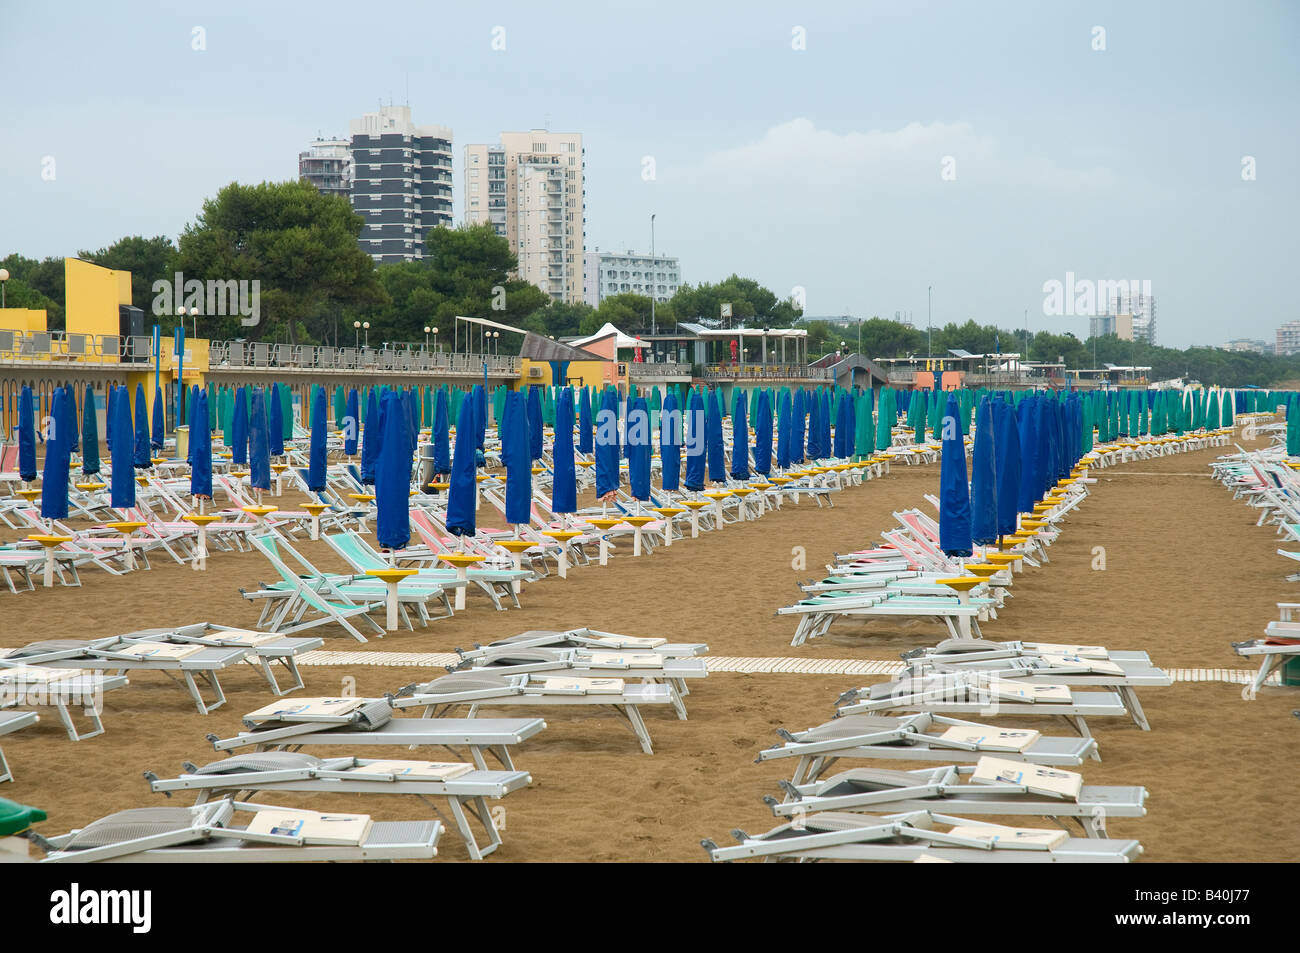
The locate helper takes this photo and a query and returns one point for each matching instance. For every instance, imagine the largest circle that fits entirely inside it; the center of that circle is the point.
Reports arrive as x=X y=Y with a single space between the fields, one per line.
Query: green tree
x=45 y=276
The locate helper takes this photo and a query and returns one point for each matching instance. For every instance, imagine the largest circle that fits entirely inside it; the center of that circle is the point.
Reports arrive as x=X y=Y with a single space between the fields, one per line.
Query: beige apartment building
x=530 y=188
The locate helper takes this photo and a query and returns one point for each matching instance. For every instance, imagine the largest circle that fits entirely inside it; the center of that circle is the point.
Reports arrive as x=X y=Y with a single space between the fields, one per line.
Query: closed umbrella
x=762 y=434
x=275 y=422
x=607 y=450
x=141 y=433
x=670 y=443
x=392 y=474
x=1026 y=422
x=259 y=444
x=783 y=426
x=370 y=438
x=441 y=435
x=58 y=456
x=70 y=411
x=516 y=455
x=121 y=451
x=564 y=485
x=238 y=428
x=157 y=438
x=533 y=424
x=884 y=420
x=713 y=438
x=585 y=444
x=698 y=438
x=316 y=462
x=954 y=491
x=983 y=482
x=638 y=447
x=739 y=437
x=89 y=434
x=351 y=423
x=864 y=433
x=461 y=496
x=797 y=414
x=201 y=450
x=1007 y=446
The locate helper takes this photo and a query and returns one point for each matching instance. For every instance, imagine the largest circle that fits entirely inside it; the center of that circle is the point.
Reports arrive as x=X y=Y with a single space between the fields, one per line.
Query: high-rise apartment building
x=530 y=188
x=1288 y=338
x=610 y=273
x=327 y=164
x=1131 y=317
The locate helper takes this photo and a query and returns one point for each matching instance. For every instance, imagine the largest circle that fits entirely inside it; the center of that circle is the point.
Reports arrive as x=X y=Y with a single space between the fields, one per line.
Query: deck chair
x=817 y=614
x=361 y=556
x=11 y=721
x=465 y=787
x=484 y=689
x=1280 y=645
x=994 y=786
x=262 y=649
x=121 y=654
x=21 y=564
x=306 y=603
x=972 y=693
x=591 y=638
x=920 y=737
x=206 y=834
x=354 y=722
x=905 y=837
x=61 y=689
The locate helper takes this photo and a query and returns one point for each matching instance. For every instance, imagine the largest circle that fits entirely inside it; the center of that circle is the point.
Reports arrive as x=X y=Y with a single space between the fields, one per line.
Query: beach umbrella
x=54 y=477
x=1026 y=423
x=984 y=478
x=864 y=433
x=1292 y=429
x=533 y=425
x=110 y=391
x=286 y=416
x=142 y=458
x=480 y=416
x=441 y=435
x=516 y=455
x=796 y=428
x=462 y=494
x=585 y=445
x=812 y=446
x=670 y=443
x=392 y=473
x=239 y=428
x=201 y=449
x=259 y=442
x=656 y=408
x=370 y=438
x=713 y=438
x=1006 y=439
x=783 y=431
x=954 y=491
x=564 y=485
x=316 y=462
x=919 y=418
x=70 y=411
x=695 y=453
x=351 y=422
x=157 y=438
x=607 y=450
x=638 y=442
x=762 y=434
x=90 y=434
x=121 y=451
x=885 y=417
x=275 y=422
x=740 y=437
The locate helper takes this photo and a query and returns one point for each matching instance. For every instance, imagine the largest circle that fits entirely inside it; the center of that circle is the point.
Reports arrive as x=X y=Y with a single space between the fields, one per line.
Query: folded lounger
x=205 y=834
x=920 y=737
x=592 y=639
x=11 y=721
x=294 y=723
x=906 y=837
x=994 y=786
x=480 y=689
x=61 y=689
x=263 y=648
x=465 y=787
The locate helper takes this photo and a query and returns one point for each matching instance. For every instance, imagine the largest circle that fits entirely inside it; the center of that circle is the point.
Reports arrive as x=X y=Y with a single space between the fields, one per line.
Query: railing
x=71 y=347
x=766 y=371
x=392 y=360
x=658 y=369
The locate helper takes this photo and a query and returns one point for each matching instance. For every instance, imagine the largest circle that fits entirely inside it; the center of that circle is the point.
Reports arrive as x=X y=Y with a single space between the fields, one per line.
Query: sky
x=868 y=156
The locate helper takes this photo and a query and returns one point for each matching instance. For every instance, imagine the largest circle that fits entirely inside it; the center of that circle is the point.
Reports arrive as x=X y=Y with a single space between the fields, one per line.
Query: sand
x=1185 y=573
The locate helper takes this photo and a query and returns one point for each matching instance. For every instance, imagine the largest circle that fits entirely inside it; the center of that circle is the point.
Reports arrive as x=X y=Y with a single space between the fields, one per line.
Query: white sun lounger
x=61 y=689
x=485 y=689
x=1281 y=645
x=296 y=723
x=204 y=834
x=920 y=737
x=465 y=787
x=592 y=639
x=263 y=648
x=834 y=835
x=1015 y=793
x=11 y=721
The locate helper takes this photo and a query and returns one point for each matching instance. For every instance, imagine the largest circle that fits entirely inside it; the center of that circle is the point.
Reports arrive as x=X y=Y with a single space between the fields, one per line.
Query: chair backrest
x=353 y=550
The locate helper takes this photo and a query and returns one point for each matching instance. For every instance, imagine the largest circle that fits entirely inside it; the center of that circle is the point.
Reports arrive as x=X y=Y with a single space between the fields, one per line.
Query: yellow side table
x=562 y=536
x=201 y=520
x=604 y=524
x=49 y=541
x=127 y=528
x=461 y=563
x=390 y=578
x=315 y=509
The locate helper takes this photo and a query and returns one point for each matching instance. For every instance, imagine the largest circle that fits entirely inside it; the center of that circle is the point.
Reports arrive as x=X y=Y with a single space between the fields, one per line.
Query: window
x=473 y=158
x=473 y=187
x=473 y=173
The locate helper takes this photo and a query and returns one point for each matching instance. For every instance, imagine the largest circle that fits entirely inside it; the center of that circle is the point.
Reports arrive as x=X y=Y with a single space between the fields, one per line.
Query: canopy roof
x=621 y=339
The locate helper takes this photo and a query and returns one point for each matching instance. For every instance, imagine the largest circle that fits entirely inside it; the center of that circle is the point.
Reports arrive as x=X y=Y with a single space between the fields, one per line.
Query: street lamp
x=435 y=339
x=4 y=277
x=496 y=342
x=366 y=325
x=928 y=290
x=194 y=314
x=427 y=329
x=356 y=334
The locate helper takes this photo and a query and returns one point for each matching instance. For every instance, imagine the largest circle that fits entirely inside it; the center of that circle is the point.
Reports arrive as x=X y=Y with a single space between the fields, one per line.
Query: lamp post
x=366 y=325
x=928 y=290
x=4 y=278
x=194 y=315
x=427 y=329
x=356 y=334
x=435 y=338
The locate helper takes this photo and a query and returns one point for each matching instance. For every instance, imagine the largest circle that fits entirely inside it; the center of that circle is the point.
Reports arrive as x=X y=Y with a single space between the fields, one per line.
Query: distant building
x=1248 y=344
x=609 y=273
x=530 y=188
x=1288 y=338
x=327 y=164
x=1130 y=317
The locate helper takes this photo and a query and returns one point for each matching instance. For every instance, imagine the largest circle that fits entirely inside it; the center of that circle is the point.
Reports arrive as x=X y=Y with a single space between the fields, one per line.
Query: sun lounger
x=920 y=737
x=61 y=689
x=11 y=721
x=465 y=787
x=592 y=638
x=1280 y=645
x=353 y=722
x=263 y=649
x=205 y=834
x=993 y=787
x=483 y=689
x=834 y=835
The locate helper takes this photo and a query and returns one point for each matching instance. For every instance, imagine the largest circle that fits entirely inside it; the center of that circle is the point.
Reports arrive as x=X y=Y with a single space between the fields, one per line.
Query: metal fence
x=395 y=360
x=740 y=372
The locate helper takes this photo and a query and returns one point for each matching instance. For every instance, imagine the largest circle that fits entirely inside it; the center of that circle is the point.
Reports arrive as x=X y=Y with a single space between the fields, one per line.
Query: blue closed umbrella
x=740 y=437
x=26 y=436
x=70 y=412
x=713 y=438
x=316 y=454
x=783 y=425
x=824 y=419
x=200 y=449
x=533 y=423
x=392 y=472
x=695 y=453
x=121 y=451
x=516 y=454
x=480 y=415
x=564 y=488
x=352 y=423
x=239 y=428
x=370 y=439
x=1007 y=445
x=89 y=434
x=142 y=458
x=812 y=448
x=762 y=434
x=159 y=424
x=670 y=444
x=441 y=435
x=954 y=491
x=274 y=423
x=798 y=412
x=58 y=455
x=259 y=442
x=462 y=492
x=607 y=445
x=638 y=448
x=984 y=479
x=585 y=444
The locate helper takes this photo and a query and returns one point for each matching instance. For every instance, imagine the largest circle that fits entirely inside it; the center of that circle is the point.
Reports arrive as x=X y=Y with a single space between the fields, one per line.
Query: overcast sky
x=979 y=148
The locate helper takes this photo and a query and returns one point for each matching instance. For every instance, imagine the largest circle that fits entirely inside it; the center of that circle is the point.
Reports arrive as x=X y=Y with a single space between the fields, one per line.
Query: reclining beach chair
x=920 y=737
x=995 y=787
x=593 y=639
x=263 y=649
x=1280 y=645
x=817 y=613
x=465 y=787
x=22 y=563
x=484 y=689
x=294 y=723
x=305 y=603
x=833 y=835
x=121 y=654
x=11 y=721
x=205 y=834
x=979 y=693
